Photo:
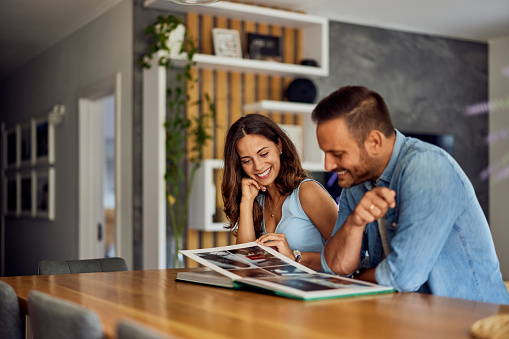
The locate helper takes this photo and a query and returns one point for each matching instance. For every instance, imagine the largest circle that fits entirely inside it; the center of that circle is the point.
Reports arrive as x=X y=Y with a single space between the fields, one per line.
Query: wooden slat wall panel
x=230 y=91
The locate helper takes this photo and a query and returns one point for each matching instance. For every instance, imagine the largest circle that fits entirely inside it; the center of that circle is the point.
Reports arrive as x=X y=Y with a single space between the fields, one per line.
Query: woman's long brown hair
x=290 y=175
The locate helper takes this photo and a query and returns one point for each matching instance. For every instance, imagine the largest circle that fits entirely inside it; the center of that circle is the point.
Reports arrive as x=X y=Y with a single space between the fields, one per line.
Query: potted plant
x=179 y=128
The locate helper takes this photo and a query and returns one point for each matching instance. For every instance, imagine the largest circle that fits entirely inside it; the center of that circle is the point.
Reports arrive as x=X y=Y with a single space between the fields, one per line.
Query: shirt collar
x=387 y=173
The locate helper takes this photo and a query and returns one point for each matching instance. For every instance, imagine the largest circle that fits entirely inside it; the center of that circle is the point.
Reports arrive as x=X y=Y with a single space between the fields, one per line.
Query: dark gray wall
x=427 y=83
x=94 y=52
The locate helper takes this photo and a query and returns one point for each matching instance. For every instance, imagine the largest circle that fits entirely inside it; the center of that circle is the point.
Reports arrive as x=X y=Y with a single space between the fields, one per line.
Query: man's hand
x=373 y=205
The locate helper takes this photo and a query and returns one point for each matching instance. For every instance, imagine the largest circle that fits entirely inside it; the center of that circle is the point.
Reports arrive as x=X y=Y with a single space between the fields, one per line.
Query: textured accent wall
x=427 y=82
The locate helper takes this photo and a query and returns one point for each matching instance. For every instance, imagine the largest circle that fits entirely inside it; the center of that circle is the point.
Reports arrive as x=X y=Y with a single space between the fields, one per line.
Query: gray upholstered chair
x=130 y=330
x=82 y=266
x=54 y=318
x=11 y=322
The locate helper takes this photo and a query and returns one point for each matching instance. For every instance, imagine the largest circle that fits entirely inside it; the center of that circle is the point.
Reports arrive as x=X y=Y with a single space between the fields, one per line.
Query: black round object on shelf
x=301 y=90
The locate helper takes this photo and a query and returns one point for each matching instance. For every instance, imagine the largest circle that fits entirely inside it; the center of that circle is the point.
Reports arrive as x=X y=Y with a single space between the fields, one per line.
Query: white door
x=97 y=176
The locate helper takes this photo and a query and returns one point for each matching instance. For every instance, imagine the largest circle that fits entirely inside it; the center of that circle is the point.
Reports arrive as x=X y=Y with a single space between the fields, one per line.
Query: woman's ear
x=280 y=145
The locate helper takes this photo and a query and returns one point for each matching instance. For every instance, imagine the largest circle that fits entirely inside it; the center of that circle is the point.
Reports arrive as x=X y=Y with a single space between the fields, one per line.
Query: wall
x=93 y=53
x=499 y=156
x=427 y=82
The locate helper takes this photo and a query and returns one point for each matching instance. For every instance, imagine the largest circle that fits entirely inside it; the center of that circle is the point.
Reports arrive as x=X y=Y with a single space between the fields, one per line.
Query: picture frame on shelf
x=45 y=194
x=264 y=47
x=27 y=193
x=27 y=143
x=11 y=194
x=226 y=42
x=44 y=141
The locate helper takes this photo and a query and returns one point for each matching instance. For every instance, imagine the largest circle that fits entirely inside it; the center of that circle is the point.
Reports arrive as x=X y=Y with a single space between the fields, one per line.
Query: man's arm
x=342 y=251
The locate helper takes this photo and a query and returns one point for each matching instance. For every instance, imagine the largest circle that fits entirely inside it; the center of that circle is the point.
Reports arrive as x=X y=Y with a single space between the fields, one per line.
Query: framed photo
x=11 y=149
x=27 y=193
x=45 y=194
x=227 y=43
x=44 y=141
x=264 y=47
x=11 y=197
x=27 y=143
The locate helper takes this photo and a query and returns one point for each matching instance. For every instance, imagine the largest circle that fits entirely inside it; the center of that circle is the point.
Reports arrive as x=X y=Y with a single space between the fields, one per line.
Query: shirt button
x=393 y=224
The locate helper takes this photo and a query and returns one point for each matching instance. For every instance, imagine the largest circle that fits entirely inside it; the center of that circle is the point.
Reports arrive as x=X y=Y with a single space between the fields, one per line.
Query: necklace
x=272 y=210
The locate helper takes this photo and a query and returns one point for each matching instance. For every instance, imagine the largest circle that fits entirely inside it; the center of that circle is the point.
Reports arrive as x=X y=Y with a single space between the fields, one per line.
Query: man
x=408 y=215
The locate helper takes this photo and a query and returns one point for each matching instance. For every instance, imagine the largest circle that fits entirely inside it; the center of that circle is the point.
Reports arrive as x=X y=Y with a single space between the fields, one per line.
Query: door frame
x=123 y=183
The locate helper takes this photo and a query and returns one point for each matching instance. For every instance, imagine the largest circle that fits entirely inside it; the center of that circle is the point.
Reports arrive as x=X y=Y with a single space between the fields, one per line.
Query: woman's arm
x=246 y=232
x=318 y=205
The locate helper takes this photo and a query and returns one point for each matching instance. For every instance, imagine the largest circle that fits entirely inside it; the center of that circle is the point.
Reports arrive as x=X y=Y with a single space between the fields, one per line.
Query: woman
x=268 y=196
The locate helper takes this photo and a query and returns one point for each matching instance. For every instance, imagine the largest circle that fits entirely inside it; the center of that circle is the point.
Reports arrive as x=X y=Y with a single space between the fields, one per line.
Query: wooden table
x=186 y=310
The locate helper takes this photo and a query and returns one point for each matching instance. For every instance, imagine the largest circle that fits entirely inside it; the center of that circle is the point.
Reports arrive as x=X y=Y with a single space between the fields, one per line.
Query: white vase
x=175 y=40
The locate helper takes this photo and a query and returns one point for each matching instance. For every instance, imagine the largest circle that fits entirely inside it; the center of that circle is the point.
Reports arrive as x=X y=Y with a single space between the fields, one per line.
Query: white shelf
x=279 y=106
x=207 y=61
x=315 y=37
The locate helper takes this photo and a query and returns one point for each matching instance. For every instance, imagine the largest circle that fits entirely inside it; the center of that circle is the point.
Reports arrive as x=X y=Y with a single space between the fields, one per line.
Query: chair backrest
x=130 y=330
x=54 y=318
x=82 y=266
x=11 y=323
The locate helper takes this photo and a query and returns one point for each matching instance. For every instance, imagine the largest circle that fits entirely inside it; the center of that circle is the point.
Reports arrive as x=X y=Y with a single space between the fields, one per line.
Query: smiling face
x=343 y=155
x=259 y=158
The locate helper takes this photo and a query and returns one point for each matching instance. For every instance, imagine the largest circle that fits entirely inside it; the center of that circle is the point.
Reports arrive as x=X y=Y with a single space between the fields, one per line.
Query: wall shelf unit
x=315 y=36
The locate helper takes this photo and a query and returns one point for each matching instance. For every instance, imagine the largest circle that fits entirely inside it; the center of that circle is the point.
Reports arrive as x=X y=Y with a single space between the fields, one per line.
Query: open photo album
x=253 y=265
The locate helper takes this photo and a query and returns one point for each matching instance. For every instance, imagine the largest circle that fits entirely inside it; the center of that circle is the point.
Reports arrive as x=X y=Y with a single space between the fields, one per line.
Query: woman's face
x=259 y=158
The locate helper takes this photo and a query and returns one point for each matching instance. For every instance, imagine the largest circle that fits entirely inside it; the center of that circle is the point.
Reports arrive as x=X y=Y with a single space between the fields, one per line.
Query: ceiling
x=28 y=27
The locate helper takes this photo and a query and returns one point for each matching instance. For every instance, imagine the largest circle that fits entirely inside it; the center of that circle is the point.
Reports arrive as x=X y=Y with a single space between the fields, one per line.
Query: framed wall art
x=27 y=193
x=227 y=43
x=44 y=141
x=11 y=194
x=27 y=143
x=264 y=47
x=45 y=193
x=11 y=149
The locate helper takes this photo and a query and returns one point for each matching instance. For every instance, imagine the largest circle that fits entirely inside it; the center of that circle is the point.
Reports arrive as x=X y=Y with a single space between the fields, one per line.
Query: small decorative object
x=309 y=62
x=226 y=42
x=301 y=90
x=176 y=41
x=264 y=47
x=45 y=194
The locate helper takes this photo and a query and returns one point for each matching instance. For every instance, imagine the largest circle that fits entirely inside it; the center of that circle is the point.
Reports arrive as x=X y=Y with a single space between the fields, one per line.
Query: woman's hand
x=250 y=189
x=278 y=241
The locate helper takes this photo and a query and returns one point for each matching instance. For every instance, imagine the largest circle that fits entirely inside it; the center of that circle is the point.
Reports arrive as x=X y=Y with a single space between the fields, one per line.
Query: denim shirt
x=439 y=238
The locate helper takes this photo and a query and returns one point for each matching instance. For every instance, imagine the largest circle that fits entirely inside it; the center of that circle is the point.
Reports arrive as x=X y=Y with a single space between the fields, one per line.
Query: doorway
x=98 y=174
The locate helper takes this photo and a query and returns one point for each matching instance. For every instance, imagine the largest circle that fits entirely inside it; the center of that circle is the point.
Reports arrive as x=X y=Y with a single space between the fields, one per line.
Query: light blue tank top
x=300 y=232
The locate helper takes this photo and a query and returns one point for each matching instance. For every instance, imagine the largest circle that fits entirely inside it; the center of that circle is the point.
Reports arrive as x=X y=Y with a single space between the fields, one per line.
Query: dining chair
x=82 y=266
x=11 y=323
x=53 y=318
x=129 y=330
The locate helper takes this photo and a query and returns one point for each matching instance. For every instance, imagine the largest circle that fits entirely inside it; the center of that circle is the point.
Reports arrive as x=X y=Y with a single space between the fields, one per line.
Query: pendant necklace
x=272 y=210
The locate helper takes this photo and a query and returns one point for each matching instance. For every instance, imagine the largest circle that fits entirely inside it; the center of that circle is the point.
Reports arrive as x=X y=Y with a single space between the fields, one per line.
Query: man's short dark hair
x=362 y=109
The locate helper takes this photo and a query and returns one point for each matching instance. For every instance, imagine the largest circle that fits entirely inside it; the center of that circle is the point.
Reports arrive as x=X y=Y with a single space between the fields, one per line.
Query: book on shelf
x=251 y=265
